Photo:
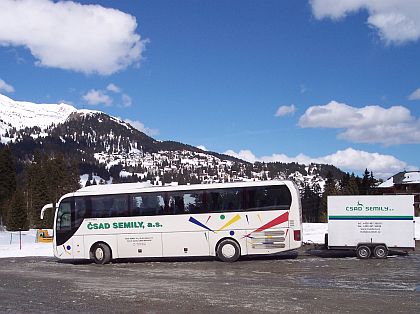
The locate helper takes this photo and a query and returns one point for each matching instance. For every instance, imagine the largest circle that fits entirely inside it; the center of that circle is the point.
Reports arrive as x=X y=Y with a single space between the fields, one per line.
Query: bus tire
x=228 y=251
x=380 y=251
x=363 y=252
x=101 y=253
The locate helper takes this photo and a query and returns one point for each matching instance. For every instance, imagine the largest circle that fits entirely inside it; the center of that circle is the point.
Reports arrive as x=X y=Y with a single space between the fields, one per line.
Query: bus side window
x=189 y=203
x=151 y=204
x=178 y=204
x=136 y=202
x=79 y=211
x=213 y=202
x=249 y=199
x=120 y=206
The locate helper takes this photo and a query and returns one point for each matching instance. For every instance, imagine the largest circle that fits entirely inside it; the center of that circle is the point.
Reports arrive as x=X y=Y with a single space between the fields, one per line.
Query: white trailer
x=371 y=224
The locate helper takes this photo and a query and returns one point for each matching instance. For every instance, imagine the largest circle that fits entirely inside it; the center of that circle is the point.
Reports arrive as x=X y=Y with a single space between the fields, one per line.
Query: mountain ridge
x=106 y=144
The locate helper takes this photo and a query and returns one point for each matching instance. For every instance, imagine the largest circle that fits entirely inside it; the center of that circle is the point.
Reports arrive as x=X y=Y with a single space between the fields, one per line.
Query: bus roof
x=141 y=187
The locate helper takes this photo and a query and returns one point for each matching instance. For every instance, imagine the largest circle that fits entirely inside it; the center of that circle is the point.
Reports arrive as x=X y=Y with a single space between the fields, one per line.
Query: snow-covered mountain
x=111 y=149
x=20 y=114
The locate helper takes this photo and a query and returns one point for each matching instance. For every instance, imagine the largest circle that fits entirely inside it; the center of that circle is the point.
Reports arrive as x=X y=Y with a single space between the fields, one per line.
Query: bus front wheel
x=228 y=251
x=101 y=253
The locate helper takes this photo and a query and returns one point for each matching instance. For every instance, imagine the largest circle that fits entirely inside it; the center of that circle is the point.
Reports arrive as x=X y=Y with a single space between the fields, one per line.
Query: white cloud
x=397 y=21
x=383 y=166
x=142 y=128
x=246 y=155
x=202 y=147
x=72 y=36
x=370 y=124
x=126 y=100
x=285 y=110
x=97 y=97
x=415 y=95
x=6 y=87
x=113 y=88
x=66 y=102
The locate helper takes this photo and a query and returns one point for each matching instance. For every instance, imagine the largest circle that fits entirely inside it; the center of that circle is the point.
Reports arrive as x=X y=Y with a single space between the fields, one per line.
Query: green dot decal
x=222 y=217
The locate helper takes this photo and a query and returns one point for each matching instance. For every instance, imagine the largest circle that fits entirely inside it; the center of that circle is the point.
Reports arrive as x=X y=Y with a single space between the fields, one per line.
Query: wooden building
x=406 y=182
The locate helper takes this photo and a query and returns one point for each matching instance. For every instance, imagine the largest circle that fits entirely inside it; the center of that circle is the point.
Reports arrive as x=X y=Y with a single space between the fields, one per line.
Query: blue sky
x=325 y=81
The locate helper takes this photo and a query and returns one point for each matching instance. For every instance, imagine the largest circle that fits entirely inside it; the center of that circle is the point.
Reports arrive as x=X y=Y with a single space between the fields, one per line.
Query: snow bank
x=314 y=232
x=10 y=247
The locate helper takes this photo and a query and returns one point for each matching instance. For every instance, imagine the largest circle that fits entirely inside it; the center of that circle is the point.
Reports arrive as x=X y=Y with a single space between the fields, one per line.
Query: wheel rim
x=99 y=254
x=228 y=250
x=380 y=252
x=363 y=252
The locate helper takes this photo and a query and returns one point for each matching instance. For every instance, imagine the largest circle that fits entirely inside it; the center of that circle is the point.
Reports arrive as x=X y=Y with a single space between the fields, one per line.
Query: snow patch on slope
x=22 y=114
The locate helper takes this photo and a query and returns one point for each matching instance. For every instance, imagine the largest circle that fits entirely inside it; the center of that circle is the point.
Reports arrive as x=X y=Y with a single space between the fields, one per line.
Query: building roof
x=405 y=177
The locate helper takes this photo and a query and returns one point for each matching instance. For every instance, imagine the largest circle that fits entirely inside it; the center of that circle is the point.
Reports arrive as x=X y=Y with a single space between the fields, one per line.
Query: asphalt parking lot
x=304 y=283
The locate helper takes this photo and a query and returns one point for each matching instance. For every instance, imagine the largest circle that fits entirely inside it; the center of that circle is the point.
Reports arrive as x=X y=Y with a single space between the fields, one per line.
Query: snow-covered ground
x=314 y=232
x=10 y=247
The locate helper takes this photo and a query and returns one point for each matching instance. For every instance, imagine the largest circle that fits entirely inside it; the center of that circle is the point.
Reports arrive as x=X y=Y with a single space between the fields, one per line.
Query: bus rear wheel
x=228 y=251
x=101 y=253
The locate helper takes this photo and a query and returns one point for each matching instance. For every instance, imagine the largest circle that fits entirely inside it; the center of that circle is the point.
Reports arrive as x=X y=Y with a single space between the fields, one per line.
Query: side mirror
x=48 y=206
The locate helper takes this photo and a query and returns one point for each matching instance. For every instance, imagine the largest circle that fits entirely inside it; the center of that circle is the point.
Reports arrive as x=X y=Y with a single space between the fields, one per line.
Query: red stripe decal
x=276 y=221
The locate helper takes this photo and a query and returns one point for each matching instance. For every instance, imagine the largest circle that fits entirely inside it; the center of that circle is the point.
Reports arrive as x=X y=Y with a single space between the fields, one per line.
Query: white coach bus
x=129 y=220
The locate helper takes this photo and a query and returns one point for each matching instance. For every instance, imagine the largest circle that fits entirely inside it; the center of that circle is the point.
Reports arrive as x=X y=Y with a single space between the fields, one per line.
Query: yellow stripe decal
x=233 y=220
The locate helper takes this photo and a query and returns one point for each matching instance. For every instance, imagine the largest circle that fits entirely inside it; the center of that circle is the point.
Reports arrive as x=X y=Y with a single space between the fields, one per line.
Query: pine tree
x=351 y=187
x=344 y=182
x=7 y=181
x=89 y=180
x=39 y=190
x=17 y=218
x=310 y=204
x=329 y=189
x=47 y=180
x=366 y=184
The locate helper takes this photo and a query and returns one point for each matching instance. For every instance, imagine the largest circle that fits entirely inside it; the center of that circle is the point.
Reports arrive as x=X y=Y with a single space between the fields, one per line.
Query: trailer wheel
x=101 y=253
x=228 y=251
x=380 y=251
x=363 y=252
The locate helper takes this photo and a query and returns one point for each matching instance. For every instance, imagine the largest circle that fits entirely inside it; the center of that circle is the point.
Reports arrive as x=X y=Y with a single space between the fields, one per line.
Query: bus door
x=78 y=215
x=183 y=238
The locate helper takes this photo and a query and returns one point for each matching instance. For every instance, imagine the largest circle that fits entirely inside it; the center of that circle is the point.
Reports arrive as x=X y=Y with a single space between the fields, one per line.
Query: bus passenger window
x=136 y=203
x=80 y=211
x=179 y=204
x=151 y=204
x=189 y=203
x=119 y=207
